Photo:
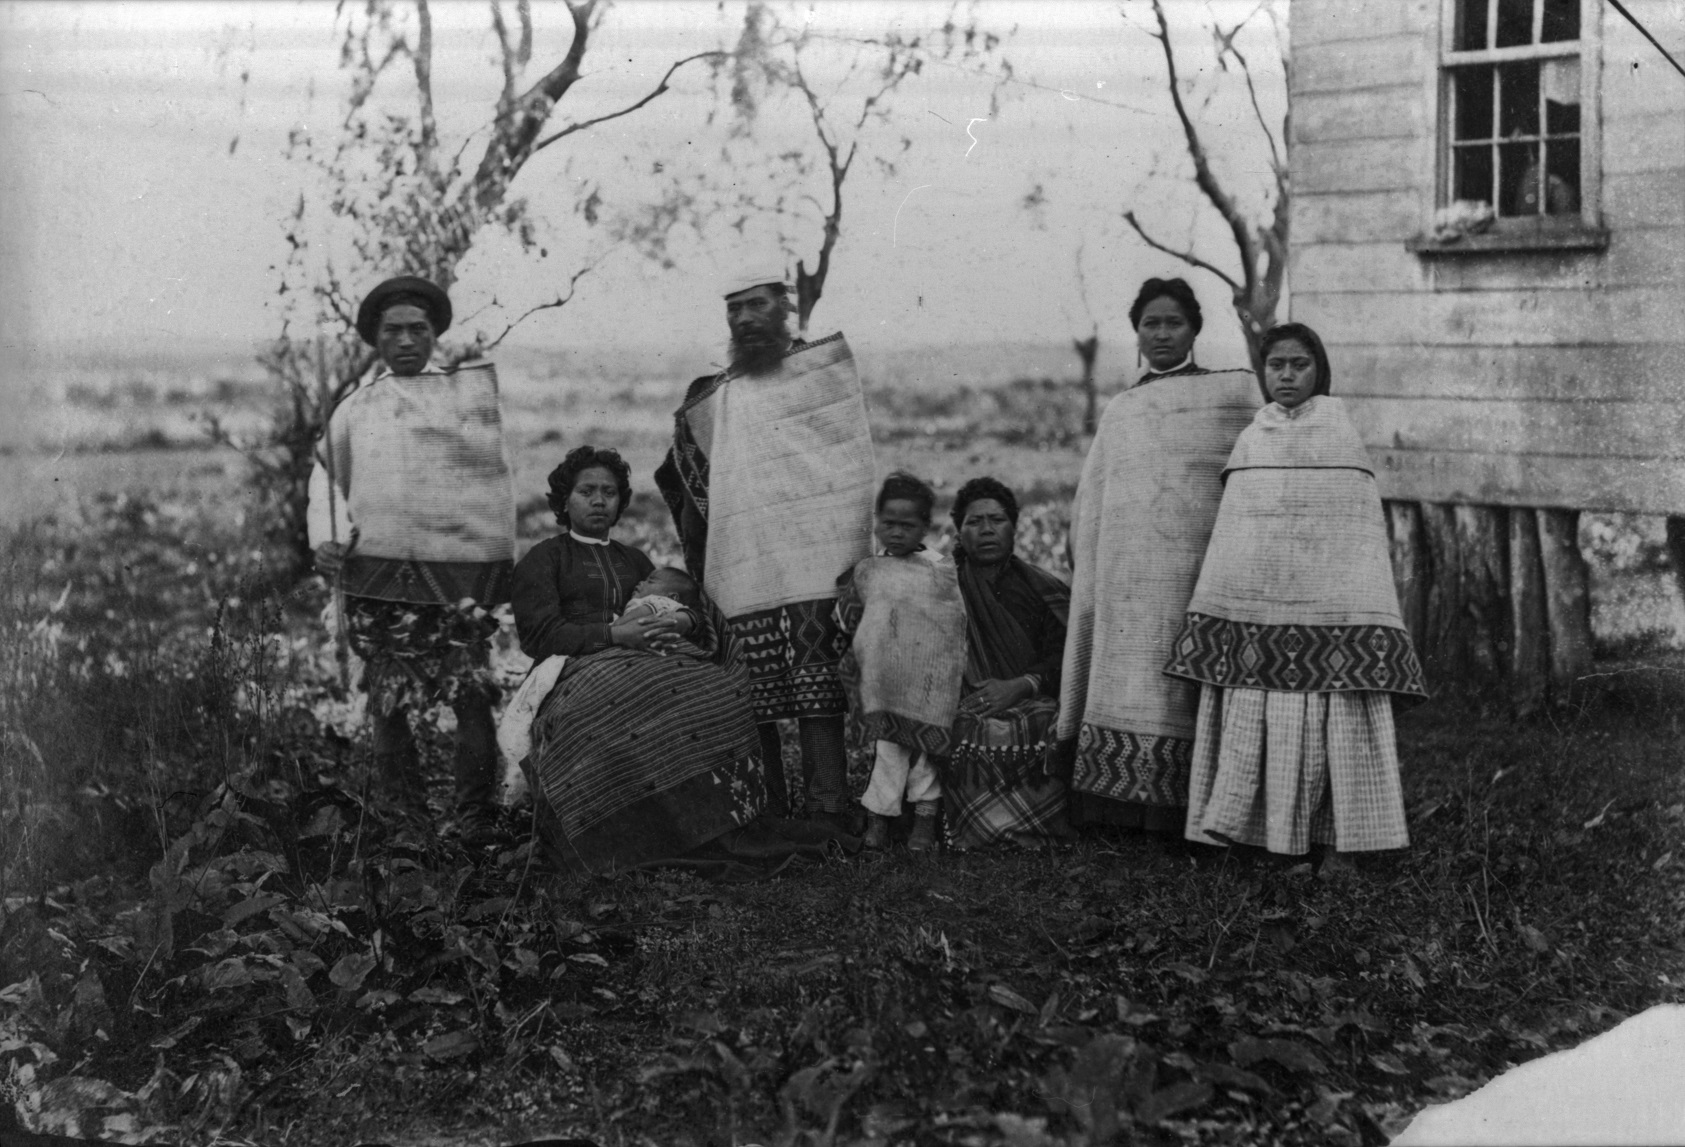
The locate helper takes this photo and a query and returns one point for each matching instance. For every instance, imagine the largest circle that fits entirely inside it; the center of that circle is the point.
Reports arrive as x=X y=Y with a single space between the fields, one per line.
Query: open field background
x=211 y=933
x=97 y=423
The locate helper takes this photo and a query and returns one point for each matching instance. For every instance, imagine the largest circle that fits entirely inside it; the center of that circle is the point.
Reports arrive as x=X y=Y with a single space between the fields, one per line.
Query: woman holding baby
x=645 y=747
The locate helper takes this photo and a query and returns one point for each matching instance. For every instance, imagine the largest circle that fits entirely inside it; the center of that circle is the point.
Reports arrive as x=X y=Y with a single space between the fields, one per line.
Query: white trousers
x=900 y=772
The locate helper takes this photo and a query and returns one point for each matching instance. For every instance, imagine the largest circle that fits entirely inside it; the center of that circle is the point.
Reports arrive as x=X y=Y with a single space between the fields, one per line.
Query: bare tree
x=1088 y=350
x=406 y=202
x=774 y=54
x=1261 y=245
x=1496 y=598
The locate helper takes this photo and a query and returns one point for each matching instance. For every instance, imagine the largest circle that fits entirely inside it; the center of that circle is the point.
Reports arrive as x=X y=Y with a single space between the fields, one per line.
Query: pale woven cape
x=1139 y=525
x=790 y=479
x=1296 y=591
x=420 y=461
x=910 y=645
x=1300 y=538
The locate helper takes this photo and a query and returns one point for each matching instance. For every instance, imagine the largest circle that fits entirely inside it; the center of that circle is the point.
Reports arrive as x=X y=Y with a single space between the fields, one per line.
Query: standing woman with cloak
x=1294 y=636
x=1143 y=513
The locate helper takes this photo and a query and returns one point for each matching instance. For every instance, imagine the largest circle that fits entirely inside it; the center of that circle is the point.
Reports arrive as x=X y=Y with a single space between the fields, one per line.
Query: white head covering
x=752 y=275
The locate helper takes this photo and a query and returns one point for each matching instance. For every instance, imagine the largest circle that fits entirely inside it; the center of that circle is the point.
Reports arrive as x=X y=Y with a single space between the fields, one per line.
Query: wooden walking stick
x=324 y=403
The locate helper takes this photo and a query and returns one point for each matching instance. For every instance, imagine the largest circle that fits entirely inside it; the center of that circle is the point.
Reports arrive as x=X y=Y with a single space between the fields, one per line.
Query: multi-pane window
x=1512 y=75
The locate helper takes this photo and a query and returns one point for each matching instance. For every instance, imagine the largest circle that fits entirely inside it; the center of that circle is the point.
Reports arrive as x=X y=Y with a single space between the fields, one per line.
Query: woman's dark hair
x=1176 y=289
x=979 y=489
x=1298 y=332
x=902 y=486
x=576 y=463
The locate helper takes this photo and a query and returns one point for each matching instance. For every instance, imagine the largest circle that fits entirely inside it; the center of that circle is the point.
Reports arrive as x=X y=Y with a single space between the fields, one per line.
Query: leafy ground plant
x=214 y=930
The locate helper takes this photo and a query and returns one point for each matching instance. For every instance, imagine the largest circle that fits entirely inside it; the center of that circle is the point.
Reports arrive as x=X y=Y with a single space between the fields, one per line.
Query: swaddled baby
x=668 y=592
x=664 y=592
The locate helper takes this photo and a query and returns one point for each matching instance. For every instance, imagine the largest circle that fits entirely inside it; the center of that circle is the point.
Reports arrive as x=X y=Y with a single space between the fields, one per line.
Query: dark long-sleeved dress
x=636 y=757
x=567 y=594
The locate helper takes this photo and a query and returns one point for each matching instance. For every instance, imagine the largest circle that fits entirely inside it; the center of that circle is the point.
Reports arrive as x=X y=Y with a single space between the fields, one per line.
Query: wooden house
x=1488 y=229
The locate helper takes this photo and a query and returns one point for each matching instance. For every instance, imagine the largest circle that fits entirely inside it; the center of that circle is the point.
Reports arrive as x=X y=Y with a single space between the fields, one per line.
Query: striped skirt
x=641 y=758
x=1283 y=770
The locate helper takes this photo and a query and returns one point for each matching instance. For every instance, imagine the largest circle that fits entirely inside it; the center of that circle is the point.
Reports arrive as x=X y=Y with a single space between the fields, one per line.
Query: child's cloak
x=910 y=646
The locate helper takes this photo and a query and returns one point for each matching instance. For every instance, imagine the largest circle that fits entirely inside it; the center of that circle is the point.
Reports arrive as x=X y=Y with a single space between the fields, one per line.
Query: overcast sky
x=144 y=183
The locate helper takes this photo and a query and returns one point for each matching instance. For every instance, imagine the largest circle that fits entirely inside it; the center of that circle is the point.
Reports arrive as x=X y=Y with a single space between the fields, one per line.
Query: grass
x=210 y=931
x=975 y=999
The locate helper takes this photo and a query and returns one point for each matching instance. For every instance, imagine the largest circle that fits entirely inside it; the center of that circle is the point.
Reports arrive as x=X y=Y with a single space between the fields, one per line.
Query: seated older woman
x=636 y=757
x=996 y=785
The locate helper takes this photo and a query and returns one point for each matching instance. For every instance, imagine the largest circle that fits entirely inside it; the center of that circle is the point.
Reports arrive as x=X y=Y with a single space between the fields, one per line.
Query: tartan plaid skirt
x=995 y=786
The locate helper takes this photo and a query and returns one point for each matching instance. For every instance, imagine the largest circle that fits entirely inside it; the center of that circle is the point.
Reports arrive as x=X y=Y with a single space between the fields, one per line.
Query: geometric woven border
x=1136 y=767
x=791 y=653
x=908 y=733
x=1296 y=658
x=427 y=583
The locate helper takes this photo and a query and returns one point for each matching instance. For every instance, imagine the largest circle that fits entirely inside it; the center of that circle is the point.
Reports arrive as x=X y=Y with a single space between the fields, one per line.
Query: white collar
x=384 y=371
x=1184 y=364
x=579 y=537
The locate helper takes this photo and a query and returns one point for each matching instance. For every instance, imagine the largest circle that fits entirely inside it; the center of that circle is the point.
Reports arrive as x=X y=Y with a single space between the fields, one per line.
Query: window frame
x=1520 y=232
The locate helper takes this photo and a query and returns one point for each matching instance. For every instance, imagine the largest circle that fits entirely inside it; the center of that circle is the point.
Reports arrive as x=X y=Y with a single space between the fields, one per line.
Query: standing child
x=903 y=611
x=1294 y=633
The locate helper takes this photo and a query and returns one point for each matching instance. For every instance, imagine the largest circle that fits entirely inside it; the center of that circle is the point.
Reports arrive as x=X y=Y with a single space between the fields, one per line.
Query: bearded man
x=770 y=483
x=412 y=516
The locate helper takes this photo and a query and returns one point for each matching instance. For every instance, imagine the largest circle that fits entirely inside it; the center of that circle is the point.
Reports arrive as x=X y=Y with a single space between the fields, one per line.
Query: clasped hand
x=995 y=695
x=330 y=556
x=652 y=634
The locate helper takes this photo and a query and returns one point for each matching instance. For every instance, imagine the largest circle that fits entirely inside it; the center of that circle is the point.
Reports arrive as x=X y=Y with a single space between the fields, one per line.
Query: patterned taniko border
x=1296 y=658
x=437 y=583
x=899 y=730
x=1137 y=767
x=791 y=652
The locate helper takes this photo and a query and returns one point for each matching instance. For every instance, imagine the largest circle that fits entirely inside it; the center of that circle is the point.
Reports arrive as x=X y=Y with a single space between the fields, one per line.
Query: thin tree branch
x=505 y=57
x=523 y=54
x=422 y=59
x=1252 y=92
x=1203 y=176
x=659 y=89
x=1082 y=285
x=362 y=86
x=1190 y=259
x=559 y=301
x=556 y=82
x=811 y=287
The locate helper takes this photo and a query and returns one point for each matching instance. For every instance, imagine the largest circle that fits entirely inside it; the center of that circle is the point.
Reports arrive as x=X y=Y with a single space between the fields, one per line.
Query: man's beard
x=758 y=354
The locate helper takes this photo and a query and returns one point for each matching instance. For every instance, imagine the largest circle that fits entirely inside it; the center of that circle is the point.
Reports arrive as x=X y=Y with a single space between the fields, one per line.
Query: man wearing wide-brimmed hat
x=770 y=481
x=412 y=514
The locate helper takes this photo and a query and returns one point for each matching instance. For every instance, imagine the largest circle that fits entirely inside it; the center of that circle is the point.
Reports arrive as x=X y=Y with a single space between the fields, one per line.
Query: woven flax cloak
x=910 y=643
x=770 y=481
x=420 y=463
x=1143 y=513
x=1296 y=593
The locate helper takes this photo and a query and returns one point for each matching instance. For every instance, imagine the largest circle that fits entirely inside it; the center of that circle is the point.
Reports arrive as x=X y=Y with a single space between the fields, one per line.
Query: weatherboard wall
x=1527 y=378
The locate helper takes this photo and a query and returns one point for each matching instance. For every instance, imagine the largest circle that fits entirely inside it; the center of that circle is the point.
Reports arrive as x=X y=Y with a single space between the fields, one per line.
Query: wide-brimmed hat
x=434 y=301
